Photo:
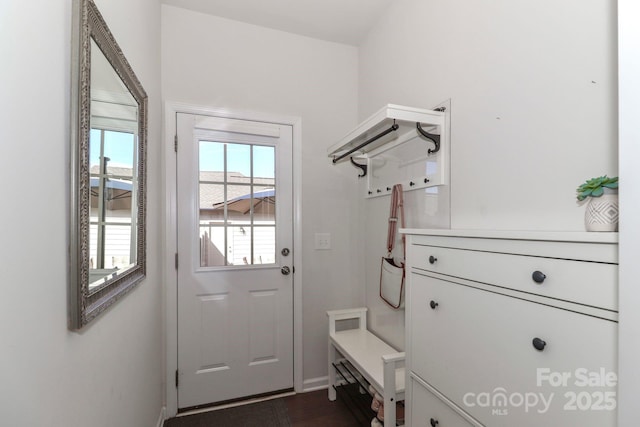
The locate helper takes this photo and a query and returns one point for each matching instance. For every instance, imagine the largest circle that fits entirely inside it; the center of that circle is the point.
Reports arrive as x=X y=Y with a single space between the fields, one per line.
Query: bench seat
x=379 y=363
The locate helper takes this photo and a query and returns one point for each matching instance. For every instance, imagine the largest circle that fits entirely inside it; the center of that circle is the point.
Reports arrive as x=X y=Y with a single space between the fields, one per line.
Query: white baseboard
x=313 y=384
x=161 y=417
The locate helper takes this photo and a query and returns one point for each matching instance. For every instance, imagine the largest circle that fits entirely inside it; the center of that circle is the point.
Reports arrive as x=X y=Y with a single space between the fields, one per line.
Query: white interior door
x=235 y=275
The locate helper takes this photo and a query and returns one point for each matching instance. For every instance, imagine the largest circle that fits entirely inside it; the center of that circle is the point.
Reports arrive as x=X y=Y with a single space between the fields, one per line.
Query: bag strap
x=397 y=206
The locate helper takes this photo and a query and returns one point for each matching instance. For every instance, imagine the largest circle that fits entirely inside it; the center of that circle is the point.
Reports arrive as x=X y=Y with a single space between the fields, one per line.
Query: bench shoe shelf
x=359 y=358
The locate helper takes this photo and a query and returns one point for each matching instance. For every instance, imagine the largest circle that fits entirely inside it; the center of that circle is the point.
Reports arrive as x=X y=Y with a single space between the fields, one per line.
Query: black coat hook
x=433 y=137
x=358 y=165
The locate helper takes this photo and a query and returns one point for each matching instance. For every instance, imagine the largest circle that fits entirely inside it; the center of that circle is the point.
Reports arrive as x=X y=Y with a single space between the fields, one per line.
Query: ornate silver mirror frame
x=92 y=289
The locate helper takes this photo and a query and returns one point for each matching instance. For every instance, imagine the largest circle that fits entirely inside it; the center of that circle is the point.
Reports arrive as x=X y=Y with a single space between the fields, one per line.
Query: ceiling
x=342 y=21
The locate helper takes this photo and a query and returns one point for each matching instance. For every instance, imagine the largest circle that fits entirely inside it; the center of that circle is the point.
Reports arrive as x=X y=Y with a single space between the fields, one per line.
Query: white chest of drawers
x=511 y=329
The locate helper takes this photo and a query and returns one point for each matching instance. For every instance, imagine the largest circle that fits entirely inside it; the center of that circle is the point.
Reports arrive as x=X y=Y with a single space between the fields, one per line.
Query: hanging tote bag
x=391 y=270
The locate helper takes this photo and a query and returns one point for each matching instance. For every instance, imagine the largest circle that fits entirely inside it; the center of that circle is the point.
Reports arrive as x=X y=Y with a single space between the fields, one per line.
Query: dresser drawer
x=476 y=344
x=587 y=283
x=428 y=410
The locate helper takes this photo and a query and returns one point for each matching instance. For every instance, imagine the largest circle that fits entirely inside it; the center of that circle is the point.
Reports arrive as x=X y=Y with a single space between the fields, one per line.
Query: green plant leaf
x=594 y=187
x=584 y=194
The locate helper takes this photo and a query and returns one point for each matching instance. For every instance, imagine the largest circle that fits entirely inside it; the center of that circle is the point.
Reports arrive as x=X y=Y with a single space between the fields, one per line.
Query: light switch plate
x=323 y=241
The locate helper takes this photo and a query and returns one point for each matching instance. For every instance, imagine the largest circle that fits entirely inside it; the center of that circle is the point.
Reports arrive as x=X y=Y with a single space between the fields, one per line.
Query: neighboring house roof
x=211 y=184
x=212 y=190
x=113 y=170
x=233 y=177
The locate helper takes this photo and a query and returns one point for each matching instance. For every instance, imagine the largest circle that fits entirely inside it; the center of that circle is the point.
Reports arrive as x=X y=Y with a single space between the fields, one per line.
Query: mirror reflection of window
x=111 y=215
x=112 y=156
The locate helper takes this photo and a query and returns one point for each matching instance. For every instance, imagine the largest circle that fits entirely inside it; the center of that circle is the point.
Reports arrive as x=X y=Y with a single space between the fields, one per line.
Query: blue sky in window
x=238 y=158
x=118 y=147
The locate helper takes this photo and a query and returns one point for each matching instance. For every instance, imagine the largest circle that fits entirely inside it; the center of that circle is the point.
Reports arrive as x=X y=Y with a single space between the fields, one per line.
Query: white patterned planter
x=602 y=213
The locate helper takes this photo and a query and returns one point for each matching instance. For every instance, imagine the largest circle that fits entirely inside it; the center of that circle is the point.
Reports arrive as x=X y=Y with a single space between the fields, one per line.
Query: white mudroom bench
x=378 y=363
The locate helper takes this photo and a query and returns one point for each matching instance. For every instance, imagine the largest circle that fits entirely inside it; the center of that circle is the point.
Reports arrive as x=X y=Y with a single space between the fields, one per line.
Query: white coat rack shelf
x=399 y=144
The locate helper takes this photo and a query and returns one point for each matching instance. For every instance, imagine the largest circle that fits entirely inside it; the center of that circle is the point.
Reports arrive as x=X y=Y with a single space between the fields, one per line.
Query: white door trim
x=171 y=245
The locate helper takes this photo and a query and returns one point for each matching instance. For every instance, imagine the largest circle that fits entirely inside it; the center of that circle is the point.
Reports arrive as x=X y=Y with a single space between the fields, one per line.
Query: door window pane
x=237 y=193
x=212 y=246
x=264 y=248
x=211 y=159
x=264 y=162
x=264 y=205
x=239 y=245
x=211 y=201
x=239 y=202
x=239 y=163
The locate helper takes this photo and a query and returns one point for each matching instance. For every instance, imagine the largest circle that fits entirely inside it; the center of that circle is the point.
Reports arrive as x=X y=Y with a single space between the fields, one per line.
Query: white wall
x=534 y=108
x=219 y=63
x=629 y=92
x=111 y=372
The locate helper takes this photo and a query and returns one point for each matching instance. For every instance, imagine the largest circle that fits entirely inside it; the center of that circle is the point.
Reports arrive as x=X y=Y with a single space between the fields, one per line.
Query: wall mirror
x=108 y=137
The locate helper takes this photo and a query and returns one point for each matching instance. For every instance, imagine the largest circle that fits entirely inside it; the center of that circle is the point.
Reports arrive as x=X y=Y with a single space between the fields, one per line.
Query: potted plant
x=602 y=208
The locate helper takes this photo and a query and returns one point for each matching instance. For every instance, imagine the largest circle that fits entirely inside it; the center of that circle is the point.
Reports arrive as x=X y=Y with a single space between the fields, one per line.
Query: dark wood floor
x=311 y=409
x=314 y=409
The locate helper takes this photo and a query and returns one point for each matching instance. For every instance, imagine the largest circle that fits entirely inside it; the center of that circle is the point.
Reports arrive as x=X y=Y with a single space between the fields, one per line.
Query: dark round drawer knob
x=433 y=422
x=538 y=276
x=433 y=304
x=432 y=259
x=539 y=344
